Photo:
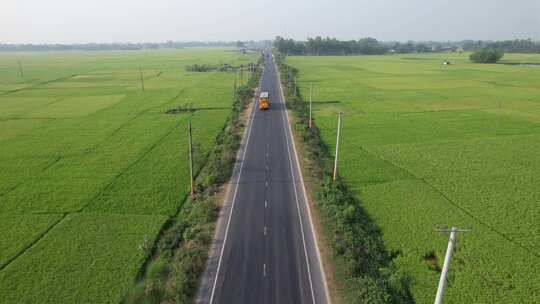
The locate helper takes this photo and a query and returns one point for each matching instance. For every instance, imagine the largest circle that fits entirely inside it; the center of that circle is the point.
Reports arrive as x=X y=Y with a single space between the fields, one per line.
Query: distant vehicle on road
x=264 y=104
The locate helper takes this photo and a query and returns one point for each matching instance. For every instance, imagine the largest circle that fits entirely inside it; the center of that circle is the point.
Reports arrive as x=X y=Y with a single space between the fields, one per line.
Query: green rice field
x=424 y=145
x=92 y=167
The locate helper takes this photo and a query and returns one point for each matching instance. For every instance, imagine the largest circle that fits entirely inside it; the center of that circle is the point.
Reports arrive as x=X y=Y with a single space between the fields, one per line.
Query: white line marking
x=266 y=183
x=254 y=111
x=296 y=198
x=264 y=230
x=266 y=154
x=328 y=300
x=264 y=269
x=265 y=204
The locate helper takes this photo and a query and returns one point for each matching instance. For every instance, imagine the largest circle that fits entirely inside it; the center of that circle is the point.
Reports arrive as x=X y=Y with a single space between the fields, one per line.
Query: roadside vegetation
x=427 y=145
x=94 y=170
x=172 y=273
x=364 y=269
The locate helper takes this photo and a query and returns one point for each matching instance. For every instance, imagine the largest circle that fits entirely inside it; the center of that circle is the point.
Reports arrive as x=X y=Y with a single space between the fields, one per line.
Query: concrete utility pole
x=20 y=69
x=294 y=81
x=289 y=81
x=446 y=265
x=310 y=102
x=498 y=119
x=337 y=145
x=142 y=79
x=192 y=188
x=234 y=90
x=241 y=74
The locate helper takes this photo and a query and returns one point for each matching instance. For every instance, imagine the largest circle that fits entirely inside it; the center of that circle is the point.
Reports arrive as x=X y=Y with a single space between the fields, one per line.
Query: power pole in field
x=234 y=90
x=498 y=119
x=294 y=81
x=446 y=265
x=142 y=79
x=310 y=102
x=337 y=145
x=20 y=69
x=192 y=188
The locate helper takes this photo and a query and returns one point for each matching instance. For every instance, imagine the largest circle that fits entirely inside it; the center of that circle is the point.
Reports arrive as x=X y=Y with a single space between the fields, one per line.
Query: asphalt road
x=264 y=249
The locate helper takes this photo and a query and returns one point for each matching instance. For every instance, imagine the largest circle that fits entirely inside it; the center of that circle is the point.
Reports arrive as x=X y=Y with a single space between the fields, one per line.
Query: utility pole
x=20 y=69
x=234 y=90
x=294 y=81
x=241 y=74
x=192 y=188
x=142 y=79
x=289 y=82
x=337 y=145
x=310 y=102
x=498 y=119
x=446 y=265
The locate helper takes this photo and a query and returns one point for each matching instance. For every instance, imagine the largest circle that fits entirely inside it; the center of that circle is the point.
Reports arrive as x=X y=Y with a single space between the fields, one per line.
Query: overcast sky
x=77 y=21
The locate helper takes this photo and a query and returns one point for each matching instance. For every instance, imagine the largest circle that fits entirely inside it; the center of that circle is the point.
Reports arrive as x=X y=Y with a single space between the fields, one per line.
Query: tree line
x=371 y=46
x=364 y=46
x=507 y=46
x=112 y=46
x=329 y=46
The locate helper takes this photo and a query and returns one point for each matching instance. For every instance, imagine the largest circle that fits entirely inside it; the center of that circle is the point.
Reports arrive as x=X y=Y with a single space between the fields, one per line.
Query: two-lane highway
x=265 y=249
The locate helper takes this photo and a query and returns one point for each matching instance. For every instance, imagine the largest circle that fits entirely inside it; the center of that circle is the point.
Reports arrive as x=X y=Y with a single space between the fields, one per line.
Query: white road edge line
x=254 y=111
x=296 y=195
x=305 y=196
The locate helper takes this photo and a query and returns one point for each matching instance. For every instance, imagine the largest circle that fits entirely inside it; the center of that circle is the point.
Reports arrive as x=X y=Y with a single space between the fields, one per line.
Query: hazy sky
x=77 y=21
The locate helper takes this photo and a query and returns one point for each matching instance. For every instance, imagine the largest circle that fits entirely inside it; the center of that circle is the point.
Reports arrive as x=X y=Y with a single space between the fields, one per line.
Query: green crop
x=93 y=167
x=424 y=144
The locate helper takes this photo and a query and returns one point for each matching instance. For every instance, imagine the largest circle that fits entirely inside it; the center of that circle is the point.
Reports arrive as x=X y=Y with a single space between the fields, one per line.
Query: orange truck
x=264 y=103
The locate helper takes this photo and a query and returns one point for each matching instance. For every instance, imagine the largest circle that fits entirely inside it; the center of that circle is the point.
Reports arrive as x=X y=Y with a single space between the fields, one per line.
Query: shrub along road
x=264 y=249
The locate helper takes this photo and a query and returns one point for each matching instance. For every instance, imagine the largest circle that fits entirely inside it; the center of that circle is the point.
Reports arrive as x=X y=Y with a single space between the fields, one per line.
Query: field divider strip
x=49 y=165
x=96 y=146
x=114 y=132
x=36 y=240
x=443 y=195
x=40 y=84
x=133 y=163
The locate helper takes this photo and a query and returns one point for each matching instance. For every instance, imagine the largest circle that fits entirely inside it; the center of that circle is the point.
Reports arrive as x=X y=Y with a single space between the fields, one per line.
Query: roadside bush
x=486 y=55
x=364 y=269
x=172 y=274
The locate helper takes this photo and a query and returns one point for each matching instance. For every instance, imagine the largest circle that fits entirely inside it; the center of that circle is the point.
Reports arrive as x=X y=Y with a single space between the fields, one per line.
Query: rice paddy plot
x=424 y=144
x=93 y=167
